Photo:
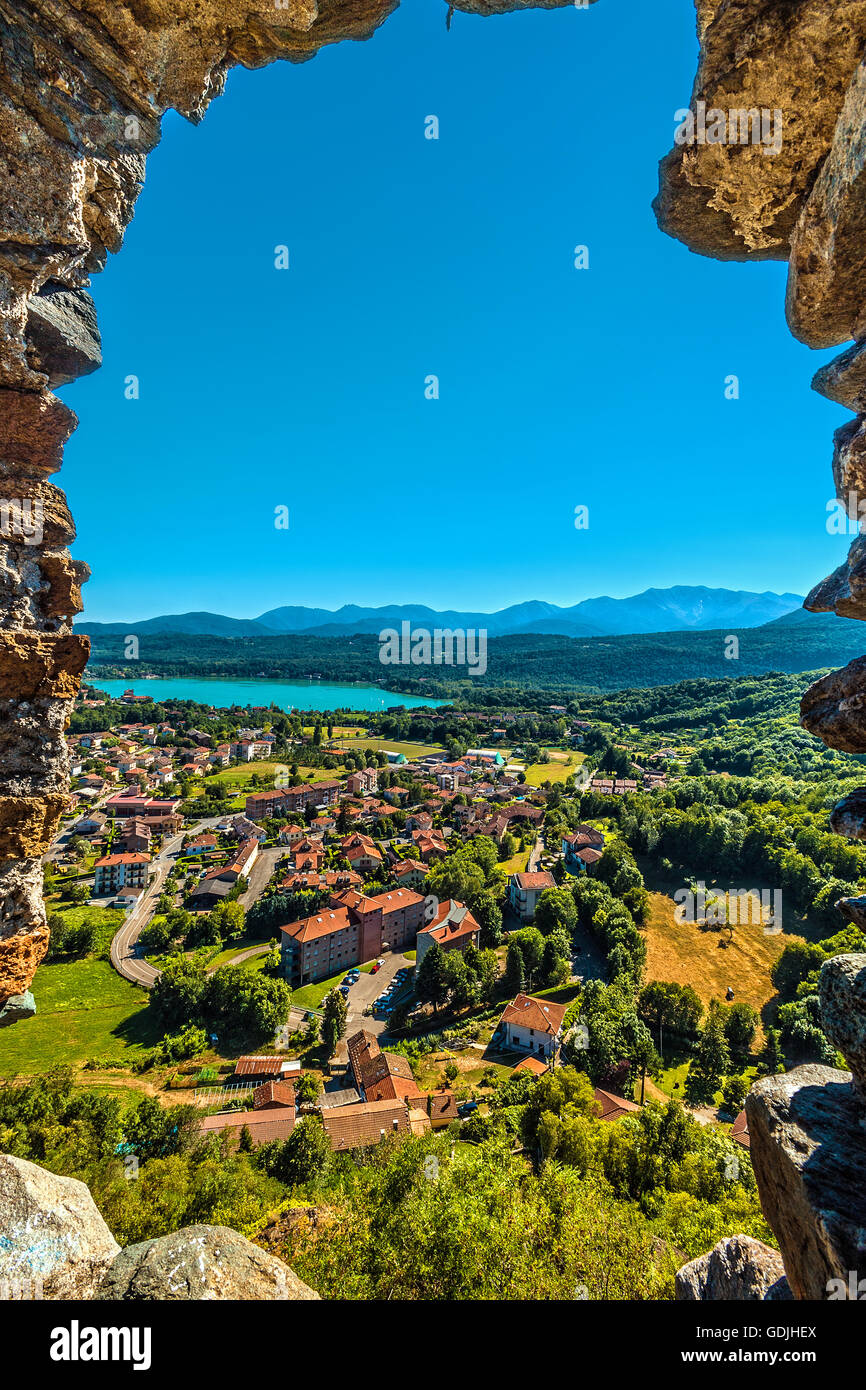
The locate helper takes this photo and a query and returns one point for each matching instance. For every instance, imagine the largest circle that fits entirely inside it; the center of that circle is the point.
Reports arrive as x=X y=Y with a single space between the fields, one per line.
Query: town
x=361 y=850
x=285 y=942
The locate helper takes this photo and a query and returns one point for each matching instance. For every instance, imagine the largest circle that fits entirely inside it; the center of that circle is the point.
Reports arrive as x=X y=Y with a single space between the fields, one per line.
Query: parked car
x=467 y=1108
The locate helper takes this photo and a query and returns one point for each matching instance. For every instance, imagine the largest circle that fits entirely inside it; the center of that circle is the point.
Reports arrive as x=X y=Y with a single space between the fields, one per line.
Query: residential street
x=124 y=944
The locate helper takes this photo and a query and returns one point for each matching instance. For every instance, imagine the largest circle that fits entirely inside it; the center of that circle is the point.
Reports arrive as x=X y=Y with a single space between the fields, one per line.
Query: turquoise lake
x=301 y=695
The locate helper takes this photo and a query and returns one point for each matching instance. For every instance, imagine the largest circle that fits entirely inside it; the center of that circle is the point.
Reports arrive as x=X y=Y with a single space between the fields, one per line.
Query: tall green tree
x=336 y=1012
x=712 y=1060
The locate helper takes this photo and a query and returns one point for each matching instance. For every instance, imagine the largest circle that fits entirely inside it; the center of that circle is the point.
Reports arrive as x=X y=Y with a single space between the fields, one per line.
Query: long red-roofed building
x=352 y=930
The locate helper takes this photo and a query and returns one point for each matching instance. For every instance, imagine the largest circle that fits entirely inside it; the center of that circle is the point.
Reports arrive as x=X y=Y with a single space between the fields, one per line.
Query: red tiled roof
x=273 y=1093
x=253 y=1065
x=356 y=1126
x=542 y=1015
x=263 y=1125
x=613 y=1107
x=405 y=865
x=540 y=879
x=381 y=1075
x=588 y=854
x=322 y=924
x=533 y=1065
x=437 y=1105
x=121 y=859
x=740 y=1131
x=452 y=923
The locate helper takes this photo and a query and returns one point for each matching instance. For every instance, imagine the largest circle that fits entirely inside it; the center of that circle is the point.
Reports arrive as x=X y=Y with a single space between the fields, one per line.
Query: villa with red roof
x=119 y=871
x=453 y=928
x=524 y=890
x=532 y=1025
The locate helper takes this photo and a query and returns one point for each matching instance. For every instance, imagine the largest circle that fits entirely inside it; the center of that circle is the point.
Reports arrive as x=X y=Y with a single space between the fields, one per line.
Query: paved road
x=124 y=946
x=535 y=854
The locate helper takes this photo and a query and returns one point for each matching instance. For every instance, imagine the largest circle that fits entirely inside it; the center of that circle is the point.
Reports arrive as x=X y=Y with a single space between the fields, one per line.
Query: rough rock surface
x=732 y=200
x=849 y=465
x=844 y=591
x=739 y=1269
x=201 y=1262
x=62 y=334
x=834 y=708
x=854 y=909
x=844 y=379
x=842 y=991
x=808 y=1147
x=848 y=817
x=17 y=1007
x=826 y=301
x=51 y=1232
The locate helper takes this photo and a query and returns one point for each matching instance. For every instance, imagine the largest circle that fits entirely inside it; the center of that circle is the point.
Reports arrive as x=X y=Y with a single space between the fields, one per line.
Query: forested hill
x=798 y=642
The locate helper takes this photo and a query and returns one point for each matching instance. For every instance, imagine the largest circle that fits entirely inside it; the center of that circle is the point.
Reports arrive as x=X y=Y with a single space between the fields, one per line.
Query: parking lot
x=368 y=988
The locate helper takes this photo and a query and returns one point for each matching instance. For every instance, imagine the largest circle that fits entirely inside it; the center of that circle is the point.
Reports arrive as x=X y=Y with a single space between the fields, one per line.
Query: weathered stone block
x=826 y=299
x=33 y=430
x=842 y=991
x=37 y=665
x=844 y=591
x=16 y=1008
x=28 y=824
x=739 y=1270
x=62 y=334
x=844 y=379
x=52 y=1234
x=201 y=1262
x=808 y=1147
x=834 y=708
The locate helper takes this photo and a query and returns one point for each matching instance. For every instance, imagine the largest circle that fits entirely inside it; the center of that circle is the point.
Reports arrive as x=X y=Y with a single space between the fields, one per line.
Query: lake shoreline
x=220 y=692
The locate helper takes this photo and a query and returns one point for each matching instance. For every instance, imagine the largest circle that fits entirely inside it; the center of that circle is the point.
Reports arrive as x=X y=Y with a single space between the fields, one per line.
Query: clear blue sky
x=558 y=387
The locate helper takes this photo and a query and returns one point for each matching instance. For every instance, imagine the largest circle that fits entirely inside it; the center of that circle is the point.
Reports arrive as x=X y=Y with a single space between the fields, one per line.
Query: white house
x=524 y=890
x=532 y=1025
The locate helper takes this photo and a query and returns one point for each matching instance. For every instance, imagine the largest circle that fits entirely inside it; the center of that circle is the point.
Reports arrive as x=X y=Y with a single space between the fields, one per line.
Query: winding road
x=124 y=945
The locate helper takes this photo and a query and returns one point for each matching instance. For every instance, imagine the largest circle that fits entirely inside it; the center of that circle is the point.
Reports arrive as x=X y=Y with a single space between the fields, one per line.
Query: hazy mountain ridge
x=682 y=608
x=799 y=642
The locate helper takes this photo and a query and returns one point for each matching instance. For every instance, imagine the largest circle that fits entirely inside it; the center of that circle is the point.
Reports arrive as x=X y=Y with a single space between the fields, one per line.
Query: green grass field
x=83 y=1010
x=105 y=920
x=238 y=778
x=410 y=750
x=516 y=864
x=560 y=767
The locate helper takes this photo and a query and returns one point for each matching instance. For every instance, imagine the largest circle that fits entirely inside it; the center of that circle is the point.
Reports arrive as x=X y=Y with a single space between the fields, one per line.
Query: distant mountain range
x=683 y=608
